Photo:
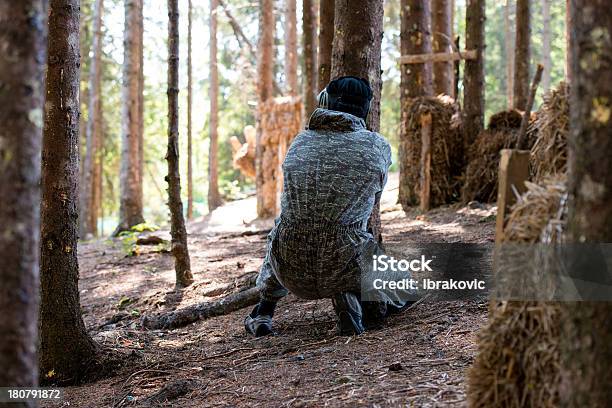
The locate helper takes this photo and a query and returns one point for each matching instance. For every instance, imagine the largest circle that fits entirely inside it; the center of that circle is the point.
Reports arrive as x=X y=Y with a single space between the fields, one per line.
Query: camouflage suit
x=334 y=172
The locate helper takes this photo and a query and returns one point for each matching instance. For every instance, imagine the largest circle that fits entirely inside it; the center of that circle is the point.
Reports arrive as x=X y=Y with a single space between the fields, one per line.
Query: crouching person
x=334 y=172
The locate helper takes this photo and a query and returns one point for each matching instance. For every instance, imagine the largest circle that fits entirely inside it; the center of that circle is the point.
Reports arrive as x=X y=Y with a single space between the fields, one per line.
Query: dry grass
x=517 y=364
x=549 y=153
x=447 y=148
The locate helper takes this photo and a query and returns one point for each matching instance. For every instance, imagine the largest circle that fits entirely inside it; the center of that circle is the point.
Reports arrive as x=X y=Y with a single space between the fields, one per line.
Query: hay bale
x=480 y=179
x=549 y=152
x=447 y=158
x=518 y=351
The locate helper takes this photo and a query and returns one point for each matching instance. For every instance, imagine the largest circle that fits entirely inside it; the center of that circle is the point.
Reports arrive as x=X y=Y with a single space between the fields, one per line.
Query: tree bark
x=130 y=205
x=309 y=35
x=509 y=48
x=442 y=28
x=415 y=80
x=265 y=72
x=568 y=35
x=214 y=198
x=178 y=231
x=546 y=44
x=473 y=94
x=189 y=111
x=326 y=39
x=585 y=345
x=61 y=325
x=291 y=59
x=23 y=31
x=522 y=53
x=357 y=51
x=93 y=132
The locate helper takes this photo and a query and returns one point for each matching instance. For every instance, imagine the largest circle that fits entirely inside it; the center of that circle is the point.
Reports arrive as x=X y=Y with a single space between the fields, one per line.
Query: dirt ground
x=419 y=358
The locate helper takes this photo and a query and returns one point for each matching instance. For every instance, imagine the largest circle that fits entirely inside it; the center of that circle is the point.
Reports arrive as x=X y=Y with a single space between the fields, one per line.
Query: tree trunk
x=415 y=80
x=265 y=72
x=326 y=38
x=509 y=47
x=61 y=325
x=356 y=51
x=568 y=50
x=177 y=223
x=22 y=39
x=522 y=53
x=442 y=28
x=189 y=109
x=130 y=205
x=93 y=131
x=586 y=352
x=291 y=58
x=473 y=96
x=546 y=44
x=309 y=27
x=214 y=199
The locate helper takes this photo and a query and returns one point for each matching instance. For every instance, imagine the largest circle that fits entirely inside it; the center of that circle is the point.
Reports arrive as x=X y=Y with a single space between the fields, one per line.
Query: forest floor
x=419 y=358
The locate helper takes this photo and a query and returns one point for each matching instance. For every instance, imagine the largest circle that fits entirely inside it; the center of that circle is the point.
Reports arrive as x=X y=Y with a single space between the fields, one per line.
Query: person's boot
x=348 y=310
x=374 y=314
x=259 y=321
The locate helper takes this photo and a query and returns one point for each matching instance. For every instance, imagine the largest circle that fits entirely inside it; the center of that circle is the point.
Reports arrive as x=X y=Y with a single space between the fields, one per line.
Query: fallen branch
x=202 y=311
x=527 y=114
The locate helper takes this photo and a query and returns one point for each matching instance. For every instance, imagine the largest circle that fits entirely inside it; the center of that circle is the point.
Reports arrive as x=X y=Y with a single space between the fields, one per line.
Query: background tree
x=91 y=176
x=586 y=352
x=189 y=111
x=130 y=205
x=65 y=347
x=309 y=49
x=214 y=199
x=178 y=231
x=522 y=53
x=326 y=38
x=22 y=39
x=442 y=41
x=509 y=51
x=546 y=44
x=265 y=73
x=473 y=94
x=291 y=57
x=357 y=51
x=415 y=79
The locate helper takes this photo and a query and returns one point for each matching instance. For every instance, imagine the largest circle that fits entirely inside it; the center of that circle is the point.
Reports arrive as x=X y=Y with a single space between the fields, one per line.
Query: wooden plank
x=513 y=172
x=438 y=57
x=425 y=194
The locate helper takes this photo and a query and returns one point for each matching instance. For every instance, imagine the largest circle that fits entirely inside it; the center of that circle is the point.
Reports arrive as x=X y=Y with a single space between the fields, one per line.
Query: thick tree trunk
x=93 y=131
x=546 y=44
x=214 y=199
x=130 y=205
x=509 y=50
x=65 y=347
x=326 y=39
x=356 y=51
x=178 y=231
x=265 y=72
x=586 y=351
x=415 y=80
x=442 y=41
x=309 y=35
x=23 y=31
x=189 y=111
x=291 y=57
x=473 y=96
x=522 y=54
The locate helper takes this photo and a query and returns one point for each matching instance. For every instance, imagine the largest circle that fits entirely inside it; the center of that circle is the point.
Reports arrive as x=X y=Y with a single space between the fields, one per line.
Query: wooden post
x=438 y=57
x=513 y=172
x=425 y=161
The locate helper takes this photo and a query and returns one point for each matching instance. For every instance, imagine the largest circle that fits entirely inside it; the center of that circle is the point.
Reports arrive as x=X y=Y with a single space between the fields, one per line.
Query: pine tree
x=309 y=46
x=214 y=199
x=442 y=41
x=291 y=57
x=326 y=38
x=189 y=113
x=65 y=347
x=474 y=77
x=522 y=53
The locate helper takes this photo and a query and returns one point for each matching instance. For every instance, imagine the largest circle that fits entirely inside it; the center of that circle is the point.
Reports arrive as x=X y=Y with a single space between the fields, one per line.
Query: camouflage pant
x=315 y=260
